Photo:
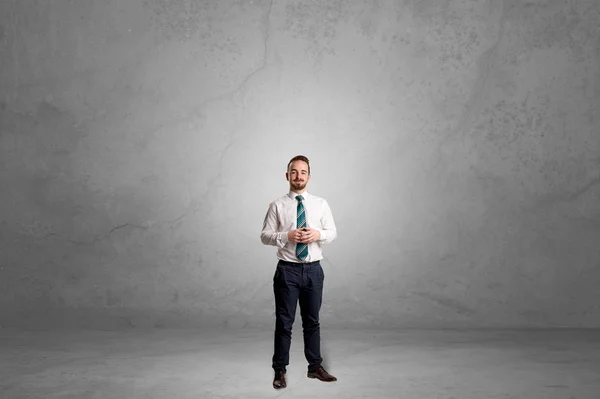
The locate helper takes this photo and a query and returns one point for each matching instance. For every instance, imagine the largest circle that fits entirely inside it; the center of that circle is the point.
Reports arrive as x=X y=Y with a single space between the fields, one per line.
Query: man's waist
x=287 y=262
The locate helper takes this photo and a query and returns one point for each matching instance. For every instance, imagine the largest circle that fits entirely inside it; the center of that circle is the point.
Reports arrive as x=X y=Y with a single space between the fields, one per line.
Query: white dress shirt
x=281 y=217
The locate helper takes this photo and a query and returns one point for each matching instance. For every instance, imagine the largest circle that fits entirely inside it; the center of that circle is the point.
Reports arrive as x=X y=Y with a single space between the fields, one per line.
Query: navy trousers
x=293 y=283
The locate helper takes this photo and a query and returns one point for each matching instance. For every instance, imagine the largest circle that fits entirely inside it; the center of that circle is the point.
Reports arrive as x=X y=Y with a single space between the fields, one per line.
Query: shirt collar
x=293 y=194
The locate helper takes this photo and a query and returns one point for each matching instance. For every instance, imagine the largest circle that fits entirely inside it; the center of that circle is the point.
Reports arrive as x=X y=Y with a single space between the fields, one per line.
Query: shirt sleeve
x=270 y=234
x=328 y=230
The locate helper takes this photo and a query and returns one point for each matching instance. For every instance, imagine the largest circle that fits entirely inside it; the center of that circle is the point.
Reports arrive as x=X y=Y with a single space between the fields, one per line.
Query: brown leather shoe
x=279 y=380
x=321 y=374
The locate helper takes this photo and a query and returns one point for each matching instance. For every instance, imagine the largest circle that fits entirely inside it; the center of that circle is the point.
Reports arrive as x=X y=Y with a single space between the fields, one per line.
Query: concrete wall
x=457 y=142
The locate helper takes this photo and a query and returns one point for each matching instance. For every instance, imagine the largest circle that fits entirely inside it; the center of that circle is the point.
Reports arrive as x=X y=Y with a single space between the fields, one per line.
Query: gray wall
x=457 y=142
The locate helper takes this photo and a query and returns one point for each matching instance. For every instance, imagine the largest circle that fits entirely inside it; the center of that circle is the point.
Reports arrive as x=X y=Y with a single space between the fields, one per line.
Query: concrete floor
x=478 y=364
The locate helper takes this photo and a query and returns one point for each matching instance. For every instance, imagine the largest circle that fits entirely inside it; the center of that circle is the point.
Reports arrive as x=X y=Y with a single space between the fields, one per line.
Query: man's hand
x=304 y=235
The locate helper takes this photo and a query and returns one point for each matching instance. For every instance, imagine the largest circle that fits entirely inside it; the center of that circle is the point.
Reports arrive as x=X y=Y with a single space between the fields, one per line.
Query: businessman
x=298 y=224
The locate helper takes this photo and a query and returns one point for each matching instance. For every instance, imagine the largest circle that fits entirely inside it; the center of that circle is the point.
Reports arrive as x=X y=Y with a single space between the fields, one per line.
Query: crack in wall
x=230 y=94
x=231 y=136
x=106 y=236
x=476 y=100
x=569 y=196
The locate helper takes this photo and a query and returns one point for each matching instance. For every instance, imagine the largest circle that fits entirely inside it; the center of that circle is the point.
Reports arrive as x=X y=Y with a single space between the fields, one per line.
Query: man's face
x=297 y=175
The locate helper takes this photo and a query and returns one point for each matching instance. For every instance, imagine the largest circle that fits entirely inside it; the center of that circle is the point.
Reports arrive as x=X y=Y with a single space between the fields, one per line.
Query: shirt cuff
x=322 y=236
x=283 y=237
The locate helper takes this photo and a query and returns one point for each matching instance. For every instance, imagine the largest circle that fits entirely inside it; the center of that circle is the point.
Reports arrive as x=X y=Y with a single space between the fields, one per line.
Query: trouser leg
x=310 y=299
x=286 y=287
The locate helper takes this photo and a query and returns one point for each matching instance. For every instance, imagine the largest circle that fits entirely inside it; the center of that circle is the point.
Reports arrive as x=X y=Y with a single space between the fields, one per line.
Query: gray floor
x=561 y=364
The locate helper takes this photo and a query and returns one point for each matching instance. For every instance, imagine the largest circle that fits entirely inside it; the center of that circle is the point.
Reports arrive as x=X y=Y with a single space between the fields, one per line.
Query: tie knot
x=299 y=197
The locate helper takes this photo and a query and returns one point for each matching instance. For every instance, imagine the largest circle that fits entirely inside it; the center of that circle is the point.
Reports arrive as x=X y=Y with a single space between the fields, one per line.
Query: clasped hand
x=304 y=235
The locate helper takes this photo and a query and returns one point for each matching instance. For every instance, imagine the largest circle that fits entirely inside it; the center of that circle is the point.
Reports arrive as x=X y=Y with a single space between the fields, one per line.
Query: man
x=298 y=224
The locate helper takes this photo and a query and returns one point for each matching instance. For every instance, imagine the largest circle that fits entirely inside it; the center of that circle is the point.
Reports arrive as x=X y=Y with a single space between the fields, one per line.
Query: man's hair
x=299 y=158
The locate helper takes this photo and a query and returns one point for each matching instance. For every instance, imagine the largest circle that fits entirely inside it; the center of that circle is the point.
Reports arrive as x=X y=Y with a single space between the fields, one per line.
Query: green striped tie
x=301 y=248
